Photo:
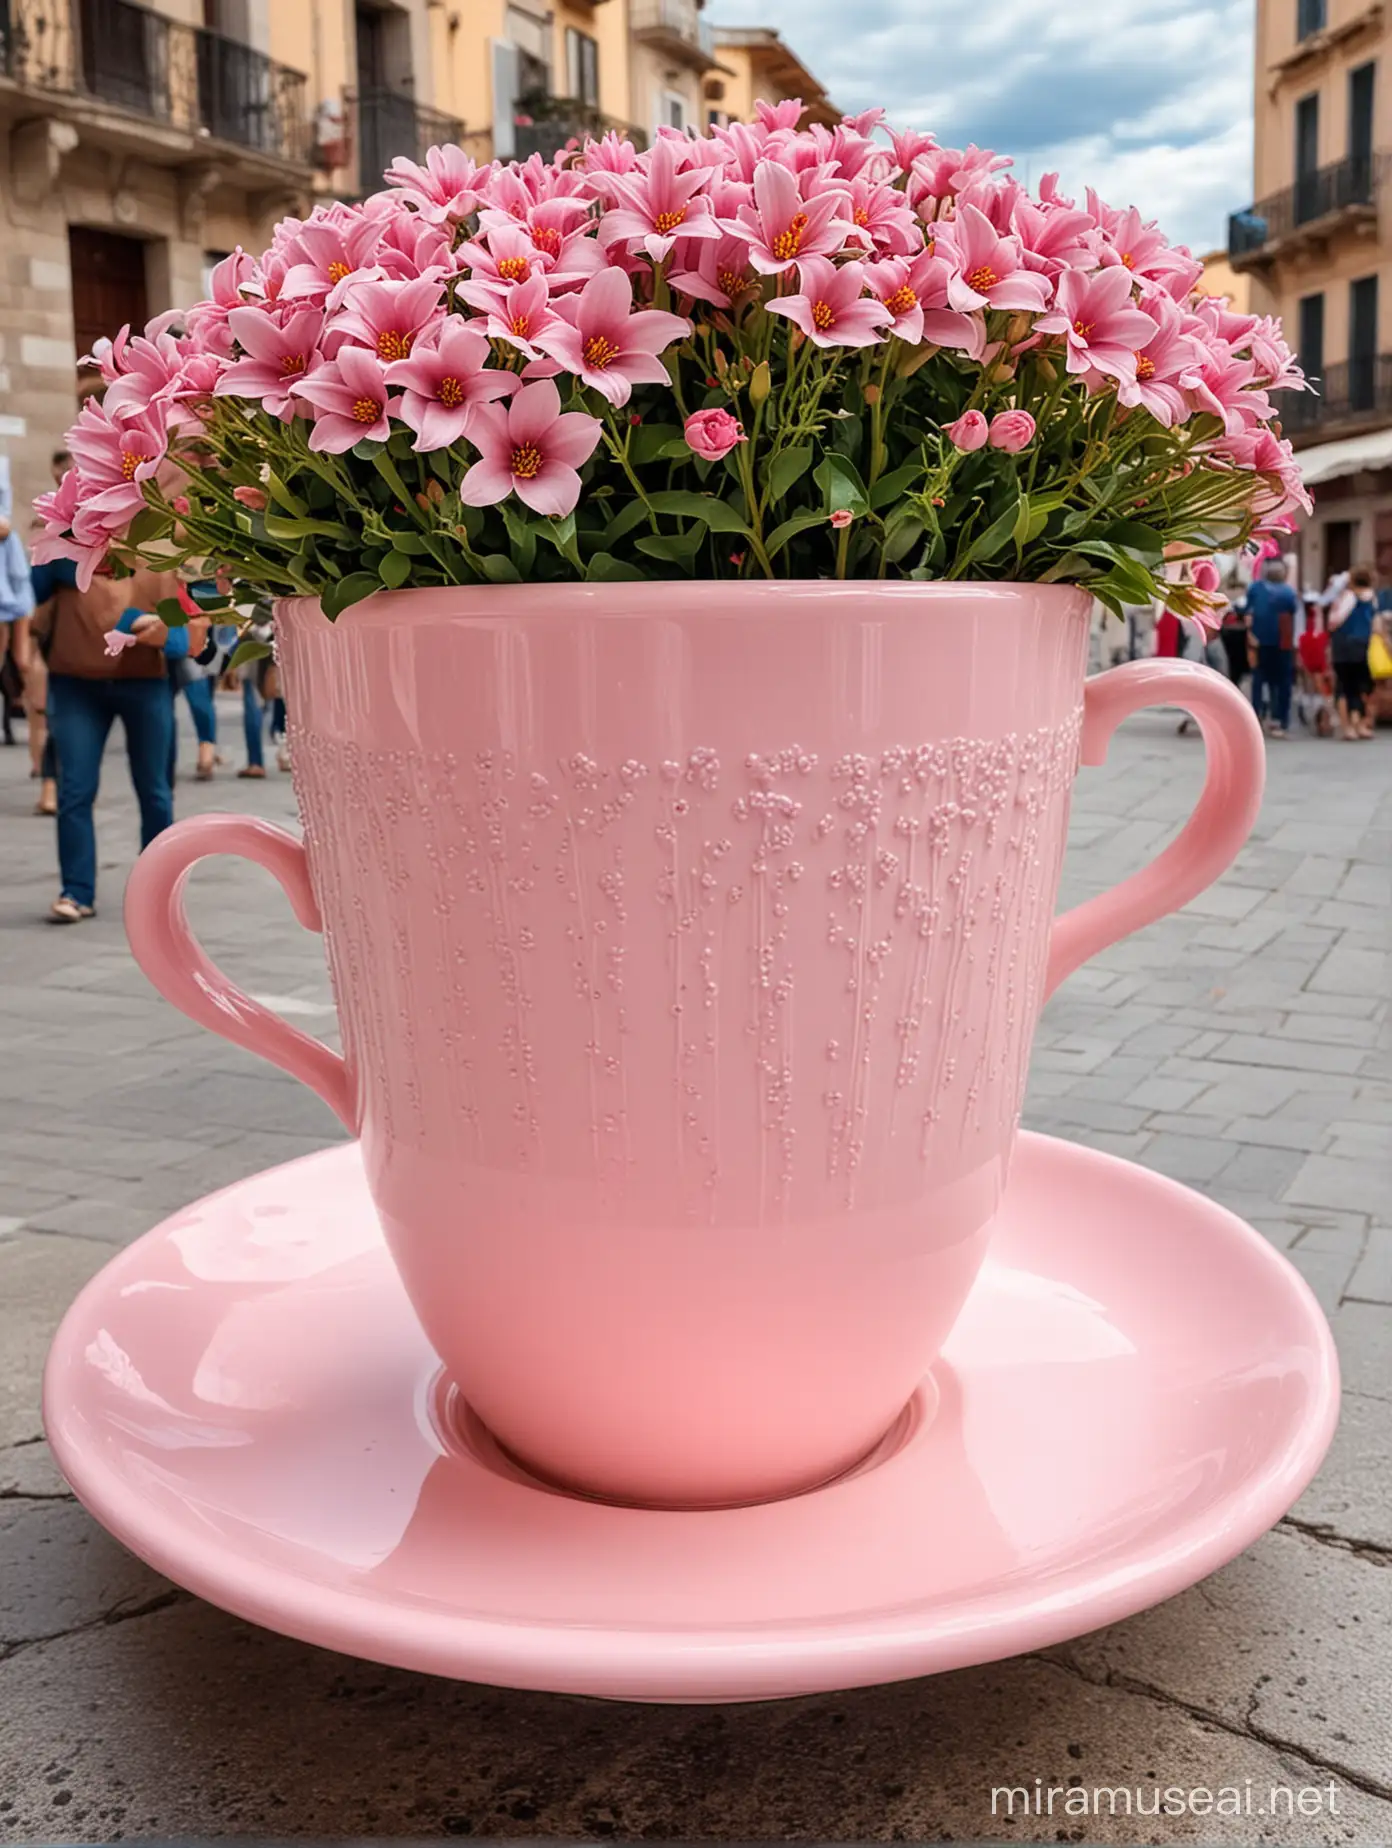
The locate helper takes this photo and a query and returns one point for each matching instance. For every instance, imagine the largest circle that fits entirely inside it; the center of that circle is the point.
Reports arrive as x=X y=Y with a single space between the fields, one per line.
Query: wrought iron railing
x=1314 y=196
x=674 y=21
x=544 y=125
x=391 y=122
x=1354 y=391
x=121 y=53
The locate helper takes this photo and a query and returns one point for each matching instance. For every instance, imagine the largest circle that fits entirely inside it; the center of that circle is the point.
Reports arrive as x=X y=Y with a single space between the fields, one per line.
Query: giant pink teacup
x=688 y=942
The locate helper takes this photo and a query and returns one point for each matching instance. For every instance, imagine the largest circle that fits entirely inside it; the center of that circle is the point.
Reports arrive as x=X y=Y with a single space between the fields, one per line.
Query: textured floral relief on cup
x=774 y=983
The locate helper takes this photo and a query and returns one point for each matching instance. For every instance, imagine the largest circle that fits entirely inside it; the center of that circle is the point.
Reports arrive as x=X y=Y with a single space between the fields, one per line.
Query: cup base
x=459 y=1427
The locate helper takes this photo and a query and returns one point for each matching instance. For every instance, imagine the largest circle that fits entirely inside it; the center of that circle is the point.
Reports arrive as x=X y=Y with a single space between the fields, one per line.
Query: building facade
x=756 y=66
x=1316 y=246
x=141 y=142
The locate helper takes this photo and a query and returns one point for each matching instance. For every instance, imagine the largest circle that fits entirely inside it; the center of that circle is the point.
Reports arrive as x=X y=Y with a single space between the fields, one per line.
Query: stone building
x=757 y=66
x=1317 y=248
x=139 y=143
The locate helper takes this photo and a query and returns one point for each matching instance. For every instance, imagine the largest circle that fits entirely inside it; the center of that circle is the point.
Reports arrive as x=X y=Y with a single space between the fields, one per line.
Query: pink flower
x=148 y=367
x=782 y=227
x=279 y=357
x=180 y=504
x=881 y=214
x=941 y=173
x=714 y=272
x=443 y=381
x=1052 y=237
x=601 y=338
x=387 y=316
x=713 y=434
x=114 y=457
x=1140 y=248
x=117 y=642
x=446 y=190
x=1011 y=431
x=914 y=291
x=833 y=309
x=1206 y=575
x=1102 y=327
x=968 y=432
x=1223 y=384
x=351 y=396
x=335 y=244
x=59 y=510
x=990 y=271
x=1161 y=364
x=517 y=312
x=511 y=252
x=842 y=518
x=254 y=498
x=529 y=447
x=659 y=202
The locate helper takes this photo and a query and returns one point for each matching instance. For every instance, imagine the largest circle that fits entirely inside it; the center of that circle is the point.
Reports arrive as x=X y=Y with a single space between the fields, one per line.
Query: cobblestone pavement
x=1235 y=1047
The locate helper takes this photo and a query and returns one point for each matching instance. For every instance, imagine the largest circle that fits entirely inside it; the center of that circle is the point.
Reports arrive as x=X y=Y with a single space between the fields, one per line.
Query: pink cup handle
x=1210 y=839
x=171 y=956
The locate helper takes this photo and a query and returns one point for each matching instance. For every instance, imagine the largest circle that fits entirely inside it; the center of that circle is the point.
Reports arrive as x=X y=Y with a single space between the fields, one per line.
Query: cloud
x=1152 y=107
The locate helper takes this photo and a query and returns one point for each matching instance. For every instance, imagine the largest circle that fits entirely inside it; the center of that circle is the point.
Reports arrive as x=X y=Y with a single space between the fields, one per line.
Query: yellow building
x=756 y=66
x=1221 y=279
x=1317 y=248
x=139 y=143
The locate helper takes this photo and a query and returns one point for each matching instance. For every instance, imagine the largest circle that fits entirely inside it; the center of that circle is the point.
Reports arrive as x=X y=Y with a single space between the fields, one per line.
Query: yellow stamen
x=1145 y=368
x=547 y=238
x=1083 y=328
x=522 y=326
x=514 y=269
x=903 y=301
x=337 y=271
x=366 y=410
x=130 y=462
x=599 y=352
x=1127 y=260
x=450 y=393
x=393 y=345
x=823 y=315
x=668 y=221
x=982 y=278
x=526 y=461
x=788 y=243
x=730 y=282
x=291 y=365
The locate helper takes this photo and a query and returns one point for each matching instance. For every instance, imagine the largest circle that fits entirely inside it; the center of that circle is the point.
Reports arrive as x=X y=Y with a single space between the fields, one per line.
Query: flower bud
x=872 y=394
x=760 y=383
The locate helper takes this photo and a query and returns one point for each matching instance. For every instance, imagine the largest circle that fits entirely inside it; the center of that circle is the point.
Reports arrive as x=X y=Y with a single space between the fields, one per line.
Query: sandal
x=66 y=910
x=252 y=770
x=49 y=808
x=282 y=760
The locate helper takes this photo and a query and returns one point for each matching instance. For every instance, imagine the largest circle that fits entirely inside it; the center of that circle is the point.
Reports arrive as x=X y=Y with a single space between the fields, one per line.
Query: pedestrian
x=1351 y=622
x=1236 y=643
x=1272 y=609
x=90 y=686
x=16 y=608
x=1315 y=682
x=43 y=758
x=260 y=691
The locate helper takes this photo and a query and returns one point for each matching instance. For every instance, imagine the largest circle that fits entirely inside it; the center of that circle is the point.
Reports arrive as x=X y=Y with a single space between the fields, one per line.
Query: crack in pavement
x=36 y=1495
x=108 y=1620
x=1249 y=1730
x=1325 y=1535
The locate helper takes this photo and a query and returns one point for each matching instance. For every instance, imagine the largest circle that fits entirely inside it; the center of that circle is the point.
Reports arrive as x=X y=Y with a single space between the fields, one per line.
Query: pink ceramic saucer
x=1139 y=1386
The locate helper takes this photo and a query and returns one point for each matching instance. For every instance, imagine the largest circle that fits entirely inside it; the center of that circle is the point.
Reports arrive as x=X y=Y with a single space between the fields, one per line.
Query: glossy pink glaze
x=688 y=943
x=1138 y=1386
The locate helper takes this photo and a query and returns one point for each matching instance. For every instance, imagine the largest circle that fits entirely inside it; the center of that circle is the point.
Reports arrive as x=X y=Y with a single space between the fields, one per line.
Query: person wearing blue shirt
x=1352 y=620
x=1272 y=611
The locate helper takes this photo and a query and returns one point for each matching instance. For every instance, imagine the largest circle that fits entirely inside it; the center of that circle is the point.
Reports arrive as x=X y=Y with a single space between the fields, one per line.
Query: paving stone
x=39 y=1277
x=1195 y=1159
x=1351 y=972
x=1165 y=1093
x=1270 y=1645
x=1372 y=1281
x=61 y=1571
x=1254 y=1170
x=1351 y=1498
x=1245 y=1049
x=1357 y=1186
x=1281 y=1133
x=1326 y=1272
x=1363 y=1333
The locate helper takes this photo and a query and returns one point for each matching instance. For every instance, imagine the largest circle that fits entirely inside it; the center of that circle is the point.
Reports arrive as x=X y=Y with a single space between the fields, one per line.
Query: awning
x=1327 y=460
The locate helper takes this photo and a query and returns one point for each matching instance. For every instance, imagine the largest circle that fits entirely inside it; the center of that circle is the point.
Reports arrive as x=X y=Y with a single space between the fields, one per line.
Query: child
x=1316 y=682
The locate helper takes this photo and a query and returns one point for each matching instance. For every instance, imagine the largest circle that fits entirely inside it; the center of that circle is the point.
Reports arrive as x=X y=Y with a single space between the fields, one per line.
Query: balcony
x=676 y=27
x=1311 y=211
x=177 y=77
x=1354 y=395
x=392 y=122
x=545 y=125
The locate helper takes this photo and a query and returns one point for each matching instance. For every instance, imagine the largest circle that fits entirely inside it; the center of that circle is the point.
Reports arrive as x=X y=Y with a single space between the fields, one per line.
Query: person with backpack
x=1352 y=620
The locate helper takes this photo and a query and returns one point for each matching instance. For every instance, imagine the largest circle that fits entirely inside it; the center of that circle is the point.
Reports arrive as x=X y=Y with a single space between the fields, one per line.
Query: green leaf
x=348 y=590
x=400 y=444
x=678 y=549
x=604 y=568
x=631 y=514
x=893 y=487
x=839 y=479
x=715 y=513
x=790 y=529
x=499 y=568
x=368 y=449
x=788 y=468
x=395 y=569
x=249 y=650
x=560 y=533
x=410 y=542
x=901 y=539
x=279 y=492
x=171 y=612
x=988 y=543
x=646 y=443
x=279 y=526
x=520 y=533
x=442 y=465
x=1142 y=542
x=148 y=524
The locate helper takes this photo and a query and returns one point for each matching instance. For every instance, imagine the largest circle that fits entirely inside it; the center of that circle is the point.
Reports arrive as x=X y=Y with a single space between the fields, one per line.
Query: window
x=1307 y=203
x=1310 y=17
x=1363 y=335
x=582 y=67
x=1311 y=337
x=672 y=111
x=1360 y=117
x=1338 y=546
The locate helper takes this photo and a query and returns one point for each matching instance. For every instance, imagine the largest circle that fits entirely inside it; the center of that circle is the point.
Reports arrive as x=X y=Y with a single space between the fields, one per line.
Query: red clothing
x=1167 y=633
x=1314 y=651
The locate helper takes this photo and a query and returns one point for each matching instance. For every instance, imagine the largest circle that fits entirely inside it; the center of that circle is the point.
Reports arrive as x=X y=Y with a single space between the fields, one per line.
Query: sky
x=1152 y=107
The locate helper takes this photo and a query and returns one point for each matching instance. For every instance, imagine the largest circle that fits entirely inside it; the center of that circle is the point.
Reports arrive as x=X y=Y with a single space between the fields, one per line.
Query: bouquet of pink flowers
x=762 y=352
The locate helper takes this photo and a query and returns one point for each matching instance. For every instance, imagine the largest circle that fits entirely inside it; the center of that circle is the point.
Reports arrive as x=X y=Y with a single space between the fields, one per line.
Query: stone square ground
x=1238 y=1047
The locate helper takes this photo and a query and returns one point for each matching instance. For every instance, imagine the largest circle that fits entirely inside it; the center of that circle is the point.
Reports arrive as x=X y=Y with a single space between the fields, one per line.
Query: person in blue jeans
x=88 y=689
x=1272 y=609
